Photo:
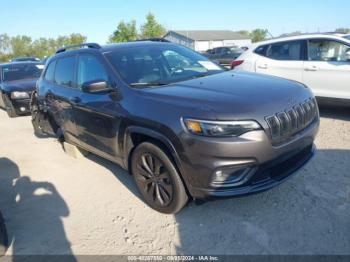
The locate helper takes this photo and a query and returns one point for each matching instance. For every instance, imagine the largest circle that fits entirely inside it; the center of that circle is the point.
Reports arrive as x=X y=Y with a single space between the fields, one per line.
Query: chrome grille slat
x=284 y=123
x=313 y=108
x=292 y=120
x=274 y=126
x=301 y=115
x=307 y=110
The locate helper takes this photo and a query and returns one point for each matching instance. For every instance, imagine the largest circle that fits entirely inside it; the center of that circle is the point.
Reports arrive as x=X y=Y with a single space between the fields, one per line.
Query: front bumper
x=267 y=165
x=268 y=175
x=21 y=106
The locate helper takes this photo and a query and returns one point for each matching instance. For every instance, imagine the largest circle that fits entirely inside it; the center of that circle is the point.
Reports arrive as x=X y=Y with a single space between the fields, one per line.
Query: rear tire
x=157 y=179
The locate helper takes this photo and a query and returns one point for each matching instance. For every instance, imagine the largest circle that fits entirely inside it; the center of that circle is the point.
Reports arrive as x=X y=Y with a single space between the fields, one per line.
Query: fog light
x=22 y=109
x=231 y=176
x=220 y=175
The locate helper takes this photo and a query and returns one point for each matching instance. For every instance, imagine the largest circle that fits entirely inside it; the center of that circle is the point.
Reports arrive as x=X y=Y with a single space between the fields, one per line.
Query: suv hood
x=235 y=95
x=20 y=85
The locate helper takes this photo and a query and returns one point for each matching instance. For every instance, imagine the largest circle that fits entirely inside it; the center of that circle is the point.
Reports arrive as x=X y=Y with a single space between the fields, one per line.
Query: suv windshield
x=160 y=64
x=347 y=37
x=24 y=59
x=15 y=72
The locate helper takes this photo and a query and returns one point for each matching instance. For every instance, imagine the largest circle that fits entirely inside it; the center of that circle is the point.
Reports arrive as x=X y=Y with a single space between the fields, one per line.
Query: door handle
x=75 y=100
x=263 y=66
x=311 y=68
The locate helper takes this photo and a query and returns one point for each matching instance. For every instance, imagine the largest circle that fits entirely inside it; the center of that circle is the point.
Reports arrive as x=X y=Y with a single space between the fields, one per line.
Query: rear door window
x=65 y=71
x=287 y=51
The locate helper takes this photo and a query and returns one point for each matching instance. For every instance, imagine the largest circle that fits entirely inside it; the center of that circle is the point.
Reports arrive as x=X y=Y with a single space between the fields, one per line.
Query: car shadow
x=308 y=214
x=122 y=175
x=33 y=213
x=334 y=111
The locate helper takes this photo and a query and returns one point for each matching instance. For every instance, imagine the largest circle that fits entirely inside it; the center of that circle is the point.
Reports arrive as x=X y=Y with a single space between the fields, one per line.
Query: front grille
x=292 y=120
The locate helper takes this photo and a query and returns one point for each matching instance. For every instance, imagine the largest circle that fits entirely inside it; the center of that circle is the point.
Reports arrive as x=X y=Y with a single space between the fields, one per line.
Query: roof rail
x=301 y=34
x=155 y=39
x=88 y=45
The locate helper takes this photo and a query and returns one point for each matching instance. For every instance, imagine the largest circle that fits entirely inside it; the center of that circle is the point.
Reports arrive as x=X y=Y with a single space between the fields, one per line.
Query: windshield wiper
x=148 y=84
x=200 y=75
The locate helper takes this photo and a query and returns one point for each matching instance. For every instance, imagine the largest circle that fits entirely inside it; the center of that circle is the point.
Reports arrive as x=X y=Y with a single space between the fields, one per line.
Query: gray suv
x=183 y=126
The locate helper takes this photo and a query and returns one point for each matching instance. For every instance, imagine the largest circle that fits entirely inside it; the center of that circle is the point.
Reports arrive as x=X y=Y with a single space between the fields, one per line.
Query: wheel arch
x=134 y=135
x=47 y=121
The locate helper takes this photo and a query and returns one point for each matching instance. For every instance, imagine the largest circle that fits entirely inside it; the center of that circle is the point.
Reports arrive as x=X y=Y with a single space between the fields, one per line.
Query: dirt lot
x=55 y=204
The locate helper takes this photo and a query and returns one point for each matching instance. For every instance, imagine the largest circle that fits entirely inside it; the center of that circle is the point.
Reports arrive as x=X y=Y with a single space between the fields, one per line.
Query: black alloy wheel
x=157 y=179
x=153 y=178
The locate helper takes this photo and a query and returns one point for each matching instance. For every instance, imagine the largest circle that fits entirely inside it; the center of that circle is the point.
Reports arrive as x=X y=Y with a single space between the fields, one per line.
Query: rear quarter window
x=261 y=50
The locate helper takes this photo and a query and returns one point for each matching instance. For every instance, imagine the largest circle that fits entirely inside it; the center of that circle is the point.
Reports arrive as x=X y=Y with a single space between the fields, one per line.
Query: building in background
x=202 y=40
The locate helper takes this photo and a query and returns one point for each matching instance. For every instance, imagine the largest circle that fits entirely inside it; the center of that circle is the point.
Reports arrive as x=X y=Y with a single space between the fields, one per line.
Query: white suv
x=320 y=61
x=347 y=36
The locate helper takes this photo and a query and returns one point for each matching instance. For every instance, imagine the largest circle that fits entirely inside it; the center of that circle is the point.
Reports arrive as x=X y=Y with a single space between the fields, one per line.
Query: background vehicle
x=45 y=59
x=183 y=129
x=224 y=55
x=25 y=59
x=17 y=82
x=320 y=61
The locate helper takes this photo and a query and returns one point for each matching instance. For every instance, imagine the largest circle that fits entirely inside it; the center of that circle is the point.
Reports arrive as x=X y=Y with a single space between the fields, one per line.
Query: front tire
x=10 y=110
x=34 y=110
x=157 y=179
x=3 y=237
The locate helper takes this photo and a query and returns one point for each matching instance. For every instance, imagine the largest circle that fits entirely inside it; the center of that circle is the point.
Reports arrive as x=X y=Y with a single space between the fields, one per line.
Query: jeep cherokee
x=183 y=126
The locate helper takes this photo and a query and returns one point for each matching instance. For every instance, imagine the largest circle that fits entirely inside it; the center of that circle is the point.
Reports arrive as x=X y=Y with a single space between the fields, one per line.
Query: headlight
x=19 y=95
x=220 y=128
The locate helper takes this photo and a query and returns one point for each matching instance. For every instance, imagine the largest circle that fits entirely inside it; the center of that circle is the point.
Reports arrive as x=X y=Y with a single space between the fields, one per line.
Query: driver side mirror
x=96 y=86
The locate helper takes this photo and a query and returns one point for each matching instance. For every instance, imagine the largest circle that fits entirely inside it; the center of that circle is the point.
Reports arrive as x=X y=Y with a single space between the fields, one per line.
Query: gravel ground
x=55 y=204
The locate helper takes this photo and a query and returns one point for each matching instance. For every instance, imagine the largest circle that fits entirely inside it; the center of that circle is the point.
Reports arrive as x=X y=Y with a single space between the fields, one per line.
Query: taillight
x=235 y=63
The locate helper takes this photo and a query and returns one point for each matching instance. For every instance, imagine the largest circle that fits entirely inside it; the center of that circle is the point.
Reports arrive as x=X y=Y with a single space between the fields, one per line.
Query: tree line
x=127 y=31
x=22 y=45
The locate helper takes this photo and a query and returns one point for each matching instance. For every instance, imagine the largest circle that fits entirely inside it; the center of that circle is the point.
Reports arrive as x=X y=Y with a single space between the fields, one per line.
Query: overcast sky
x=97 y=19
